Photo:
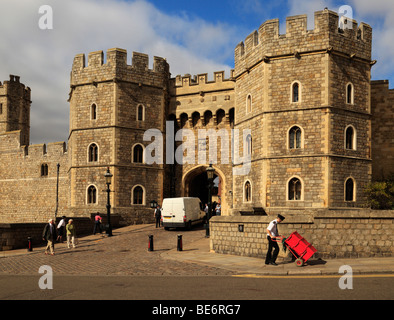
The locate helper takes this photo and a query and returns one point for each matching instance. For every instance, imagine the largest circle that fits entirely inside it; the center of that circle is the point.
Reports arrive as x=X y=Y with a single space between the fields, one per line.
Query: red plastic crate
x=300 y=246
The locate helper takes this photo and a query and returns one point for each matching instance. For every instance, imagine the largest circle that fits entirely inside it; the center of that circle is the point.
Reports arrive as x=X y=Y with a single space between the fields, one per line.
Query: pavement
x=196 y=252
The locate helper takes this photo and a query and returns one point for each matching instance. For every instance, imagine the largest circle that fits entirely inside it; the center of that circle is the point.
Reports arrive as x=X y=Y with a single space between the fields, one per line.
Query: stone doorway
x=195 y=184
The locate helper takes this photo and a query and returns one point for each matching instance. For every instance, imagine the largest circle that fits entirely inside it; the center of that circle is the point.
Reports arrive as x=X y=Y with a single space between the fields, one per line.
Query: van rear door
x=173 y=212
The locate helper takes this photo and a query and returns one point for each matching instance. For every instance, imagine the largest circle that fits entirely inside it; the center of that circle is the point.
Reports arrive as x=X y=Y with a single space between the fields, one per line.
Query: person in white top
x=272 y=233
x=60 y=229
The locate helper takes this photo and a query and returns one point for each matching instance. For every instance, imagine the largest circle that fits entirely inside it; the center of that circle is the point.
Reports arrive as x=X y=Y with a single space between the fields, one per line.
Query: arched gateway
x=195 y=184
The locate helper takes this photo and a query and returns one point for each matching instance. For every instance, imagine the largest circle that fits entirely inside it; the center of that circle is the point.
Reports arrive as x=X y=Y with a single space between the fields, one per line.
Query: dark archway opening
x=198 y=187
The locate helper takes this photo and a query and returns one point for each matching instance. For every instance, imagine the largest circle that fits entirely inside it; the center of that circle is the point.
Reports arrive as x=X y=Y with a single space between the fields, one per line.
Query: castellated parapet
x=14 y=82
x=15 y=108
x=352 y=40
x=116 y=68
x=197 y=93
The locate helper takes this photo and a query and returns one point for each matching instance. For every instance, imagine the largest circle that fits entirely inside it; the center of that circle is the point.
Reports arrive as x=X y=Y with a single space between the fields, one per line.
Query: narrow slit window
x=140 y=113
x=296 y=92
x=249 y=104
x=248 y=191
x=349 y=190
x=93 y=111
x=349 y=94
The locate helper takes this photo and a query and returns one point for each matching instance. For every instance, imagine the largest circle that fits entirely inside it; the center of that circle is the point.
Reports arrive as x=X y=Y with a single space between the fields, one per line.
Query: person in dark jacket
x=157 y=216
x=49 y=235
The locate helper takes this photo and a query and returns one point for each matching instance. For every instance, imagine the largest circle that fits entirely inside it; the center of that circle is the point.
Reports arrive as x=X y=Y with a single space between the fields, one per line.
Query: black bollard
x=179 y=246
x=29 y=244
x=150 y=244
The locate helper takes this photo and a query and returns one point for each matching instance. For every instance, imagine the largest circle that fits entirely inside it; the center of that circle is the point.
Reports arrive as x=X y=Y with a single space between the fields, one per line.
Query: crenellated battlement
x=95 y=69
x=200 y=79
x=329 y=34
x=188 y=84
x=50 y=150
x=195 y=99
x=13 y=141
x=9 y=87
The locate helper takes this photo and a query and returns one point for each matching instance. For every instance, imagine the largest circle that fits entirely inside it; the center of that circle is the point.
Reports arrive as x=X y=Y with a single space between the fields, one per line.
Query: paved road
x=86 y=287
x=121 y=267
x=125 y=254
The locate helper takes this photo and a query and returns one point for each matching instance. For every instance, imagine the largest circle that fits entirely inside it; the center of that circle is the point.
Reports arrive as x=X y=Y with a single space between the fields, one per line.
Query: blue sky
x=194 y=36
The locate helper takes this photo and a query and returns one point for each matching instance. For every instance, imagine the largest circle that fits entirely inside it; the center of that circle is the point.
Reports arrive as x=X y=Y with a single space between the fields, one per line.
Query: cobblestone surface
x=126 y=253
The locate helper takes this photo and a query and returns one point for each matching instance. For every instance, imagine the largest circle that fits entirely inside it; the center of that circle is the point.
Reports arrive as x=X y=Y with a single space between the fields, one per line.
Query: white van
x=181 y=212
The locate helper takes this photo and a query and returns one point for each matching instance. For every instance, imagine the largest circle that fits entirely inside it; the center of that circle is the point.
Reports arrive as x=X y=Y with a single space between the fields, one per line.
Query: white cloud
x=308 y=7
x=43 y=58
x=380 y=15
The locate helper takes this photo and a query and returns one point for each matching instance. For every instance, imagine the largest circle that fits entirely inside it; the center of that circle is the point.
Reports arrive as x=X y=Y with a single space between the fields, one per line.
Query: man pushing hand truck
x=272 y=234
x=301 y=249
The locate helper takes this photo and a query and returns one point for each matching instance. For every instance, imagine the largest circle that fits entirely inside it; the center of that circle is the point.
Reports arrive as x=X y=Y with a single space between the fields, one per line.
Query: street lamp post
x=57 y=190
x=108 y=177
x=210 y=173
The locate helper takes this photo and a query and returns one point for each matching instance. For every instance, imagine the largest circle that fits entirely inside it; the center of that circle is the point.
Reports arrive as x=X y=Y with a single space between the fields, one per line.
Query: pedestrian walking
x=71 y=233
x=206 y=209
x=97 y=223
x=157 y=216
x=218 y=209
x=272 y=233
x=213 y=209
x=60 y=229
x=49 y=235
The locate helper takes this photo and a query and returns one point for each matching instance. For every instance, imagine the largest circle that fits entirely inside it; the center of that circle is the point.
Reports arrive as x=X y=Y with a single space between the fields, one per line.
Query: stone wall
x=334 y=233
x=26 y=193
x=382 y=125
x=15 y=235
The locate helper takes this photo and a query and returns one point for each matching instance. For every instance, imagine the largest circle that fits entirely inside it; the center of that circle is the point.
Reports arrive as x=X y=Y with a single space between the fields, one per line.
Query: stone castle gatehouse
x=316 y=129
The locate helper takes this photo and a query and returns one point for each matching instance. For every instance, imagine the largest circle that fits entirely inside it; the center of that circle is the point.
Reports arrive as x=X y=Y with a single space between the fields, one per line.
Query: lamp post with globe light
x=108 y=178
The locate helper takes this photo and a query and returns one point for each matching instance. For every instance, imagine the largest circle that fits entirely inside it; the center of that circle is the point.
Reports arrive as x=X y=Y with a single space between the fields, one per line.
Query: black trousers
x=158 y=222
x=271 y=257
x=97 y=227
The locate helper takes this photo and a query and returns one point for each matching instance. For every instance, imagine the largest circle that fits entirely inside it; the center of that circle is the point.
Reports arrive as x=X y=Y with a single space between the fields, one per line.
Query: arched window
x=248 y=103
x=195 y=118
x=93 y=111
x=247 y=192
x=231 y=117
x=295 y=135
x=140 y=113
x=349 y=190
x=295 y=189
x=93 y=153
x=296 y=92
x=349 y=93
x=207 y=117
x=92 y=195
x=220 y=115
x=184 y=118
x=44 y=170
x=138 y=154
x=138 y=195
x=350 y=138
x=248 y=142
